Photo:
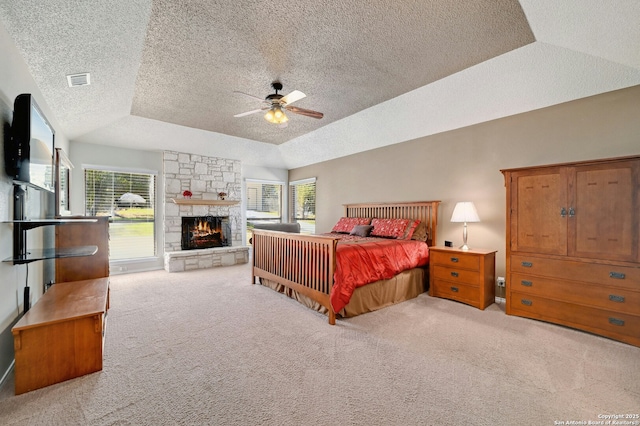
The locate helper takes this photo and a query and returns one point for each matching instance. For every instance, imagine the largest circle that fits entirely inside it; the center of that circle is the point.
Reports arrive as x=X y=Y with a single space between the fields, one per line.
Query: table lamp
x=465 y=212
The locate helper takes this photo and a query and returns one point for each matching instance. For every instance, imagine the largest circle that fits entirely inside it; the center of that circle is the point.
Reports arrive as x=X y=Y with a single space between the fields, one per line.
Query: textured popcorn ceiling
x=345 y=56
x=163 y=72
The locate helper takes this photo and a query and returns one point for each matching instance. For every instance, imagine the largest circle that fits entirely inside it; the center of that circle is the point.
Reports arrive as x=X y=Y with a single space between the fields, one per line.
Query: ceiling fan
x=277 y=103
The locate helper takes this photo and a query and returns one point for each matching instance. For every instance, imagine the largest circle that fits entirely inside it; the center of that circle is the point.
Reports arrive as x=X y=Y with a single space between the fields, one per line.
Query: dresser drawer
x=456 y=260
x=456 y=275
x=608 y=275
x=456 y=291
x=616 y=300
x=616 y=325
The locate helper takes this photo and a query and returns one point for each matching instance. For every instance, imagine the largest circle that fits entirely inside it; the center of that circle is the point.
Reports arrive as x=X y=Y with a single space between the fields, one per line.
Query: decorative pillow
x=411 y=228
x=420 y=233
x=346 y=224
x=361 y=230
x=389 y=228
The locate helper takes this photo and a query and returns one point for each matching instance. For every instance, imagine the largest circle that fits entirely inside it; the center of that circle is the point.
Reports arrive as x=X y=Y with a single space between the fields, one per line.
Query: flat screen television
x=29 y=155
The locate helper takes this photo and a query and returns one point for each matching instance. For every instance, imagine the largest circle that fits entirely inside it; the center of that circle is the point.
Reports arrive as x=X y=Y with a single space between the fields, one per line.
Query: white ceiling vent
x=83 y=79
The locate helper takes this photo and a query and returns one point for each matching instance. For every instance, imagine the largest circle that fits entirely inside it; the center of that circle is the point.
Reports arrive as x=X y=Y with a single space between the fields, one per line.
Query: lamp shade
x=465 y=211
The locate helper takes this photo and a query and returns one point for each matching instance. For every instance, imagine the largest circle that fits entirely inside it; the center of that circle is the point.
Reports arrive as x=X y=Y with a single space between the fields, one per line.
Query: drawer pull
x=617 y=275
x=527 y=264
x=454 y=259
x=454 y=289
x=526 y=283
x=616 y=321
x=616 y=298
x=454 y=274
x=526 y=302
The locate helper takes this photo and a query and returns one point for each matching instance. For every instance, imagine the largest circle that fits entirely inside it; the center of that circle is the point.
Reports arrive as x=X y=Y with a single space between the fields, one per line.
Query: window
x=263 y=202
x=302 y=204
x=128 y=198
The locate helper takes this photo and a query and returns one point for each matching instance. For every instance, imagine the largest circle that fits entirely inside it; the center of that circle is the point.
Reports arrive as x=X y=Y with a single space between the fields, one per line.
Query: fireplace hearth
x=200 y=232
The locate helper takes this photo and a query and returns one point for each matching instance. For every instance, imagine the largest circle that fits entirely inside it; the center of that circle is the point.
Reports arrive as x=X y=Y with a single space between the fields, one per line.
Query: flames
x=203 y=232
x=204 y=228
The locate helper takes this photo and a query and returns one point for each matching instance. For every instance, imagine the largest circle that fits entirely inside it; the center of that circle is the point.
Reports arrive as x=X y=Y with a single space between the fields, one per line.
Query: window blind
x=302 y=204
x=264 y=201
x=128 y=198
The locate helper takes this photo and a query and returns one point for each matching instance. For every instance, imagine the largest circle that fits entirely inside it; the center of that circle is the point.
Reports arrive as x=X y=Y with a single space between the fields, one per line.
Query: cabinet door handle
x=527 y=264
x=454 y=259
x=616 y=275
x=454 y=274
x=454 y=289
x=616 y=298
x=572 y=212
x=526 y=302
x=563 y=212
x=526 y=283
x=616 y=321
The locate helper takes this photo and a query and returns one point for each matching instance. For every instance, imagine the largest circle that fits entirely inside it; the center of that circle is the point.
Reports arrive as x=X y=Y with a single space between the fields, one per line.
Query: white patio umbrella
x=131 y=198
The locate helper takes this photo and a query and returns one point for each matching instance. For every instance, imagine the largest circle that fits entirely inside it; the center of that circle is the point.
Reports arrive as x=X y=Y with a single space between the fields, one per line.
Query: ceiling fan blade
x=242 y=114
x=296 y=95
x=302 y=111
x=251 y=96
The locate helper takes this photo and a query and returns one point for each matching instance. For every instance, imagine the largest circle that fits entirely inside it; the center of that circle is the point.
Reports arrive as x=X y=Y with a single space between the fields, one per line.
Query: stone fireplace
x=204 y=177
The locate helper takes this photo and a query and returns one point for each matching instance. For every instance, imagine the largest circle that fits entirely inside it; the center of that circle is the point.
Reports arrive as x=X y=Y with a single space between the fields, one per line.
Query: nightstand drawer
x=456 y=260
x=456 y=275
x=457 y=291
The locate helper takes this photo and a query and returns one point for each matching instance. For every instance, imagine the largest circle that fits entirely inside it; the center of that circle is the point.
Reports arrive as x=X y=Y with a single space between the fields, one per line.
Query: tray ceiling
x=174 y=62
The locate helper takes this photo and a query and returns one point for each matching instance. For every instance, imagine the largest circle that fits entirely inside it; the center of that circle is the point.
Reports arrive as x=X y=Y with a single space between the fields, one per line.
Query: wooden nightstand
x=467 y=276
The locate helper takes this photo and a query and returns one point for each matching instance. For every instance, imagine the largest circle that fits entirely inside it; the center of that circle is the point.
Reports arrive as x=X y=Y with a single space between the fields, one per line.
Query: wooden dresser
x=467 y=276
x=82 y=234
x=62 y=336
x=572 y=245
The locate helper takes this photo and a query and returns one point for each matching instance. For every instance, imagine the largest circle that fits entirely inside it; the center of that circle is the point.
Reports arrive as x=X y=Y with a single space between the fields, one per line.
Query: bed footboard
x=304 y=263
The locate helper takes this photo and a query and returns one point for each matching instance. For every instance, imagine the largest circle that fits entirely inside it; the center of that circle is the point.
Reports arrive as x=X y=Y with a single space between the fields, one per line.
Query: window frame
x=293 y=207
x=153 y=203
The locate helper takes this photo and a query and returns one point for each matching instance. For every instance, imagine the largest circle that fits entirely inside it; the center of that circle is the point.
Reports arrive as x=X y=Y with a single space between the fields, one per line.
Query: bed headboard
x=425 y=211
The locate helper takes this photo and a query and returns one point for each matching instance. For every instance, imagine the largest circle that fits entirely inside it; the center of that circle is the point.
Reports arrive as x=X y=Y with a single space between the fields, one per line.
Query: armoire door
x=603 y=205
x=539 y=214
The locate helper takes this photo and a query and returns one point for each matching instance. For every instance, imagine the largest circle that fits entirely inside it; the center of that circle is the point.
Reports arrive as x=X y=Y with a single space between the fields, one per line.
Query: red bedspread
x=362 y=261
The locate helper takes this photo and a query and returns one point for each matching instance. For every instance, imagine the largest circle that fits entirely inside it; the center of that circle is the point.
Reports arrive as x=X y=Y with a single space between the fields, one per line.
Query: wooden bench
x=62 y=336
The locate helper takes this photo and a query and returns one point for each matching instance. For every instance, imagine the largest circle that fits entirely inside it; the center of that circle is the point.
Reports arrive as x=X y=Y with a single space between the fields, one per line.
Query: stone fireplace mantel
x=192 y=202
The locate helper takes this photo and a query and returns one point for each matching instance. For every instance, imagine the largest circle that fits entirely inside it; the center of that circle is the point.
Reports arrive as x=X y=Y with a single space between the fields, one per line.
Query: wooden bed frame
x=306 y=263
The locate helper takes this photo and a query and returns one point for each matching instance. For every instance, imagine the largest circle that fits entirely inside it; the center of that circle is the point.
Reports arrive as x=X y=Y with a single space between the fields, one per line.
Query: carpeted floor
x=208 y=348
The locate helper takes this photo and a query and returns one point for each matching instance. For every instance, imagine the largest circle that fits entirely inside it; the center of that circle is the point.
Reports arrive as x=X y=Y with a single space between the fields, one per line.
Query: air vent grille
x=83 y=79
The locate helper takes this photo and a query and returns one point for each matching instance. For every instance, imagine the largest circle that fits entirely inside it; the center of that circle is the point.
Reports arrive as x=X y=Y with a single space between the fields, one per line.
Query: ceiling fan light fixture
x=276 y=115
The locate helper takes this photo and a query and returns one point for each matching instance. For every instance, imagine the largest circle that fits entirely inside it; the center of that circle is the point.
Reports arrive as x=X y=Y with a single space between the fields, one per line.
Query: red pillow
x=389 y=228
x=410 y=229
x=346 y=224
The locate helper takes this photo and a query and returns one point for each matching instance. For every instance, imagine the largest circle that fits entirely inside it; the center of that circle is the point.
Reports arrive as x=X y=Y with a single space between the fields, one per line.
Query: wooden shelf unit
x=83 y=230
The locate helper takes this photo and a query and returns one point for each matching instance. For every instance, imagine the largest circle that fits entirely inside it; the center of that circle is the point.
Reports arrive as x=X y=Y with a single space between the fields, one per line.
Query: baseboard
x=500 y=300
x=6 y=373
x=7 y=358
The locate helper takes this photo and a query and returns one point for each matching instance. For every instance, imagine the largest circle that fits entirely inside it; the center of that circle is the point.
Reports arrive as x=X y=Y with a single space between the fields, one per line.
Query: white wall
x=464 y=164
x=115 y=158
x=15 y=79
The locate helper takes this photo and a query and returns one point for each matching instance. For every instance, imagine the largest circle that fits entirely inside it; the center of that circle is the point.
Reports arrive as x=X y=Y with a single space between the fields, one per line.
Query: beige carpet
x=207 y=348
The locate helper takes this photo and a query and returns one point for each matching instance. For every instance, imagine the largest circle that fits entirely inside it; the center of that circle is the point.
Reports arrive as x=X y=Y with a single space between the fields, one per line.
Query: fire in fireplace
x=199 y=232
